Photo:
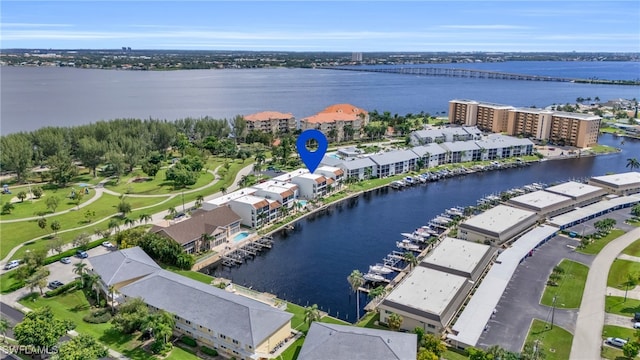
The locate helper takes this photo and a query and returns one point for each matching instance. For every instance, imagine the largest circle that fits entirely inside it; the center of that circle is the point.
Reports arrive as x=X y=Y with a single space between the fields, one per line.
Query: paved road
x=520 y=303
x=587 y=338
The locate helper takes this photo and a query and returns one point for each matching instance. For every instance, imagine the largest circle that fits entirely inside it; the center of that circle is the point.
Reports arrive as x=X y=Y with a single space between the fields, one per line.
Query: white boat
x=373 y=277
x=413 y=237
x=454 y=212
x=397 y=184
x=407 y=245
x=379 y=269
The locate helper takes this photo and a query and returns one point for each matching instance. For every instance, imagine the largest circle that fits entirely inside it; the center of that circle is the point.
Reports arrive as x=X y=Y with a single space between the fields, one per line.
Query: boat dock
x=248 y=250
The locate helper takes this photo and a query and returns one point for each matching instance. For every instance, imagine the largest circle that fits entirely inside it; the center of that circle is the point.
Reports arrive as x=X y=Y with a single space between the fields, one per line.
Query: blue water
x=65 y=96
x=311 y=264
x=240 y=236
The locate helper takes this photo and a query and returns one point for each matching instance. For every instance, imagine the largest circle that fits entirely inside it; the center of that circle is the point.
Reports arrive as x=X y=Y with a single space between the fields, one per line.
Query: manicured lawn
x=452 y=355
x=332 y=320
x=619 y=271
x=297 y=321
x=603 y=149
x=612 y=353
x=617 y=305
x=180 y=354
x=157 y=185
x=29 y=208
x=198 y=276
x=570 y=287
x=292 y=351
x=369 y=320
x=556 y=342
x=633 y=249
x=8 y=283
x=618 y=331
x=597 y=245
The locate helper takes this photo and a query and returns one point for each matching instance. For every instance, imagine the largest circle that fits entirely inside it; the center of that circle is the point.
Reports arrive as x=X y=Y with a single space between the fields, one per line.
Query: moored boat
x=379 y=269
x=373 y=277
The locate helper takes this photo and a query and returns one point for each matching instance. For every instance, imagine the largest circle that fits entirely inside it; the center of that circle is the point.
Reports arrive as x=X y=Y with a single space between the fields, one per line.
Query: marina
x=247 y=250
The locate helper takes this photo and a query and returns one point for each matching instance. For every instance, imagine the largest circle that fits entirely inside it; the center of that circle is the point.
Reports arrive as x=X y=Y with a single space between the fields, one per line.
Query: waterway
x=34 y=97
x=311 y=264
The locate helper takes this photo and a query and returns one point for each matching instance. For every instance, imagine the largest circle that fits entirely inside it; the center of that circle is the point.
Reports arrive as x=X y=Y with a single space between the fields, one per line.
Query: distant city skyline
x=345 y=26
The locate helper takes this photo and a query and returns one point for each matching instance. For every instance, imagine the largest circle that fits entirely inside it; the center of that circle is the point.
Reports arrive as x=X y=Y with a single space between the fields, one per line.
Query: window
x=431 y=326
x=235 y=342
x=222 y=336
x=188 y=322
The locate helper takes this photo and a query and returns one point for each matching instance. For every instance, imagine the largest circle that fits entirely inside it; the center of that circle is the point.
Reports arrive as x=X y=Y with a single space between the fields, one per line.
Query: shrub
x=103 y=303
x=159 y=347
x=188 y=341
x=99 y=316
x=63 y=289
x=207 y=351
x=71 y=252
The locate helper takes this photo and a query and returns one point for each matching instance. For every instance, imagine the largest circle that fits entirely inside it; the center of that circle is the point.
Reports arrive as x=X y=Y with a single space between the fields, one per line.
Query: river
x=311 y=264
x=34 y=97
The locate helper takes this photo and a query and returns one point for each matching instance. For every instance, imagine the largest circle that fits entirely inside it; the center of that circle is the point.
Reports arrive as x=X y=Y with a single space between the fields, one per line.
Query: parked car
x=616 y=342
x=636 y=325
x=108 y=245
x=65 y=260
x=636 y=316
x=12 y=264
x=55 y=284
x=82 y=254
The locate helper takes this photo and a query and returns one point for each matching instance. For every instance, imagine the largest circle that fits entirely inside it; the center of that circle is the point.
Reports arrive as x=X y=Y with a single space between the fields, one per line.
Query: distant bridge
x=471 y=73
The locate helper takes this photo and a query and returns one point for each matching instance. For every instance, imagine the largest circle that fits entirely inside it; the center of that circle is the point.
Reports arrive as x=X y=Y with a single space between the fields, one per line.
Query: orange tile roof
x=345 y=109
x=267 y=115
x=330 y=117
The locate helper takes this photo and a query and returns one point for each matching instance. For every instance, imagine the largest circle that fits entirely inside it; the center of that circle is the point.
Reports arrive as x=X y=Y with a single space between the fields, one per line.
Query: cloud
x=486 y=27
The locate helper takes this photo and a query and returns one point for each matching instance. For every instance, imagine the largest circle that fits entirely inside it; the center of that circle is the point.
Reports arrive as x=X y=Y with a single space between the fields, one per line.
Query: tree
x=410 y=258
x=311 y=314
x=89 y=214
x=433 y=344
x=35 y=258
x=633 y=163
x=90 y=152
x=7 y=208
x=40 y=328
x=124 y=208
x=631 y=349
x=161 y=323
x=635 y=211
x=16 y=152
x=114 y=224
x=80 y=269
x=476 y=354
x=150 y=168
x=532 y=351
x=52 y=203
x=377 y=292
x=145 y=217
x=394 y=321
x=81 y=347
x=239 y=127
x=631 y=282
x=93 y=282
x=181 y=175
x=55 y=226
x=426 y=354
x=4 y=326
x=42 y=223
x=37 y=192
x=356 y=280
x=38 y=280
x=199 y=200
x=57 y=245
x=62 y=167
x=112 y=295
x=22 y=195
x=81 y=241
x=131 y=316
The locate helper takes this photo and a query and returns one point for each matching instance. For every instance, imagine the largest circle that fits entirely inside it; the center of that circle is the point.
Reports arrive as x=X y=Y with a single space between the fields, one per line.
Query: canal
x=311 y=264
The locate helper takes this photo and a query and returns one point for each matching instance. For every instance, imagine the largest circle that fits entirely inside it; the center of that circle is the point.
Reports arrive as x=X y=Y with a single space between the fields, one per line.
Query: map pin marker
x=312 y=158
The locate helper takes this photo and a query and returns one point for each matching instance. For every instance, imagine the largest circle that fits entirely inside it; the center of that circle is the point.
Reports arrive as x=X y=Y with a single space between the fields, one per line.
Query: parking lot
x=620 y=216
x=64 y=272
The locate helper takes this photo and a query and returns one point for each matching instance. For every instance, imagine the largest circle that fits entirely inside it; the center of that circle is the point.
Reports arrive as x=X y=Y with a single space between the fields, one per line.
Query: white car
x=108 y=245
x=616 y=341
x=636 y=325
x=12 y=264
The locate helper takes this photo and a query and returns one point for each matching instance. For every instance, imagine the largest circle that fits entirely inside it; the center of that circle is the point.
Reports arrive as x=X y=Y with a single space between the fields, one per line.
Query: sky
x=351 y=26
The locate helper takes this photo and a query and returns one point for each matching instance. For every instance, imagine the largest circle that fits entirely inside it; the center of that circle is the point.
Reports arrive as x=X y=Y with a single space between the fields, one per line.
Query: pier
x=248 y=250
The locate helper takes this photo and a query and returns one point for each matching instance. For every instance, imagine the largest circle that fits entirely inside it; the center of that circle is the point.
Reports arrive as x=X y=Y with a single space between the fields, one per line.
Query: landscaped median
x=618 y=305
x=554 y=342
x=570 y=277
x=598 y=244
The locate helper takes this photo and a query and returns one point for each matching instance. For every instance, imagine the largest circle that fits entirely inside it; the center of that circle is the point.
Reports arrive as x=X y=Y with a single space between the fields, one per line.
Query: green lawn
x=180 y=354
x=617 y=305
x=369 y=320
x=37 y=207
x=597 y=245
x=612 y=353
x=297 y=321
x=198 y=276
x=8 y=283
x=633 y=249
x=570 y=287
x=453 y=355
x=618 y=331
x=157 y=185
x=619 y=271
x=292 y=351
x=555 y=342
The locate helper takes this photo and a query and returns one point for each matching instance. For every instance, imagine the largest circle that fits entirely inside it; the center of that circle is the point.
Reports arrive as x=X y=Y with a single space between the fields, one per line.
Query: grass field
x=618 y=331
x=38 y=207
x=598 y=244
x=619 y=271
x=612 y=353
x=617 y=305
x=555 y=342
x=633 y=249
x=157 y=185
x=570 y=287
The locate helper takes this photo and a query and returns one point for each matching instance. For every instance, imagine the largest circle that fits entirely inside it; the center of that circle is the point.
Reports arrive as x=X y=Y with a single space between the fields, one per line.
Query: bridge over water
x=473 y=73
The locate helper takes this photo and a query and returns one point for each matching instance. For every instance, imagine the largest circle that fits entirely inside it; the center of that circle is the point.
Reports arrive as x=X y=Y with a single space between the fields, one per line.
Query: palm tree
x=311 y=314
x=93 y=283
x=410 y=259
x=172 y=211
x=114 y=224
x=356 y=280
x=162 y=324
x=394 y=321
x=80 y=268
x=633 y=163
x=145 y=217
x=112 y=293
x=223 y=190
x=4 y=326
x=129 y=222
x=632 y=281
x=377 y=292
x=199 y=201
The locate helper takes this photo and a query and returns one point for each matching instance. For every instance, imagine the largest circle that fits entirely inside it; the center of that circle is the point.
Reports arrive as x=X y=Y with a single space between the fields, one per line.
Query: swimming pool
x=240 y=236
x=303 y=202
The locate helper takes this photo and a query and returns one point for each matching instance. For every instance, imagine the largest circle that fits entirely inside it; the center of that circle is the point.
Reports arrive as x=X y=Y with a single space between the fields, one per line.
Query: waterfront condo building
x=573 y=129
x=284 y=192
x=530 y=122
x=338 y=122
x=271 y=122
x=486 y=116
x=255 y=211
x=312 y=185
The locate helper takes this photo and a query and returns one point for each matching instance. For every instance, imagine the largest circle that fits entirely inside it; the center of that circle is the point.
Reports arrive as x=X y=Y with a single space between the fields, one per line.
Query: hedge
x=208 y=351
x=99 y=316
x=71 y=252
x=188 y=341
x=64 y=288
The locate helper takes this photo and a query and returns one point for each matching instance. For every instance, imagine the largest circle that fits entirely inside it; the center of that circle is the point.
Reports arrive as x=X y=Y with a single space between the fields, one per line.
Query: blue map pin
x=312 y=158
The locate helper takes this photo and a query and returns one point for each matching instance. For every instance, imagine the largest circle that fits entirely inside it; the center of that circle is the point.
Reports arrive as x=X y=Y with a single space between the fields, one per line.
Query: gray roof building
x=431 y=149
x=343 y=342
x=124 y=266
x=393 y=157
x=243 y=319
x=460 y=146
x=331 y=161
x=357 y=164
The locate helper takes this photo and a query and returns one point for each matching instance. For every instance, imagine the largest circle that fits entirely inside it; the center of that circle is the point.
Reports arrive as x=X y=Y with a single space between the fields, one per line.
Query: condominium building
x=486 y=116
x=530 y=122
x=338 y=122
x=255 y=211
x=573 y=129
x=271 y=121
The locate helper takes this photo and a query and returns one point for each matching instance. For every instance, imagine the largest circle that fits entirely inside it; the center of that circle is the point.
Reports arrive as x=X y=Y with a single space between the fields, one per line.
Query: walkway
x=156 y=218
x=587 y=339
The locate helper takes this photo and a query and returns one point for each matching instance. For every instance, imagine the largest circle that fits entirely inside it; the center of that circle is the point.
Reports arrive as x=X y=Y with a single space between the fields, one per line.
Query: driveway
x=520 y=303
x=64 y=272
